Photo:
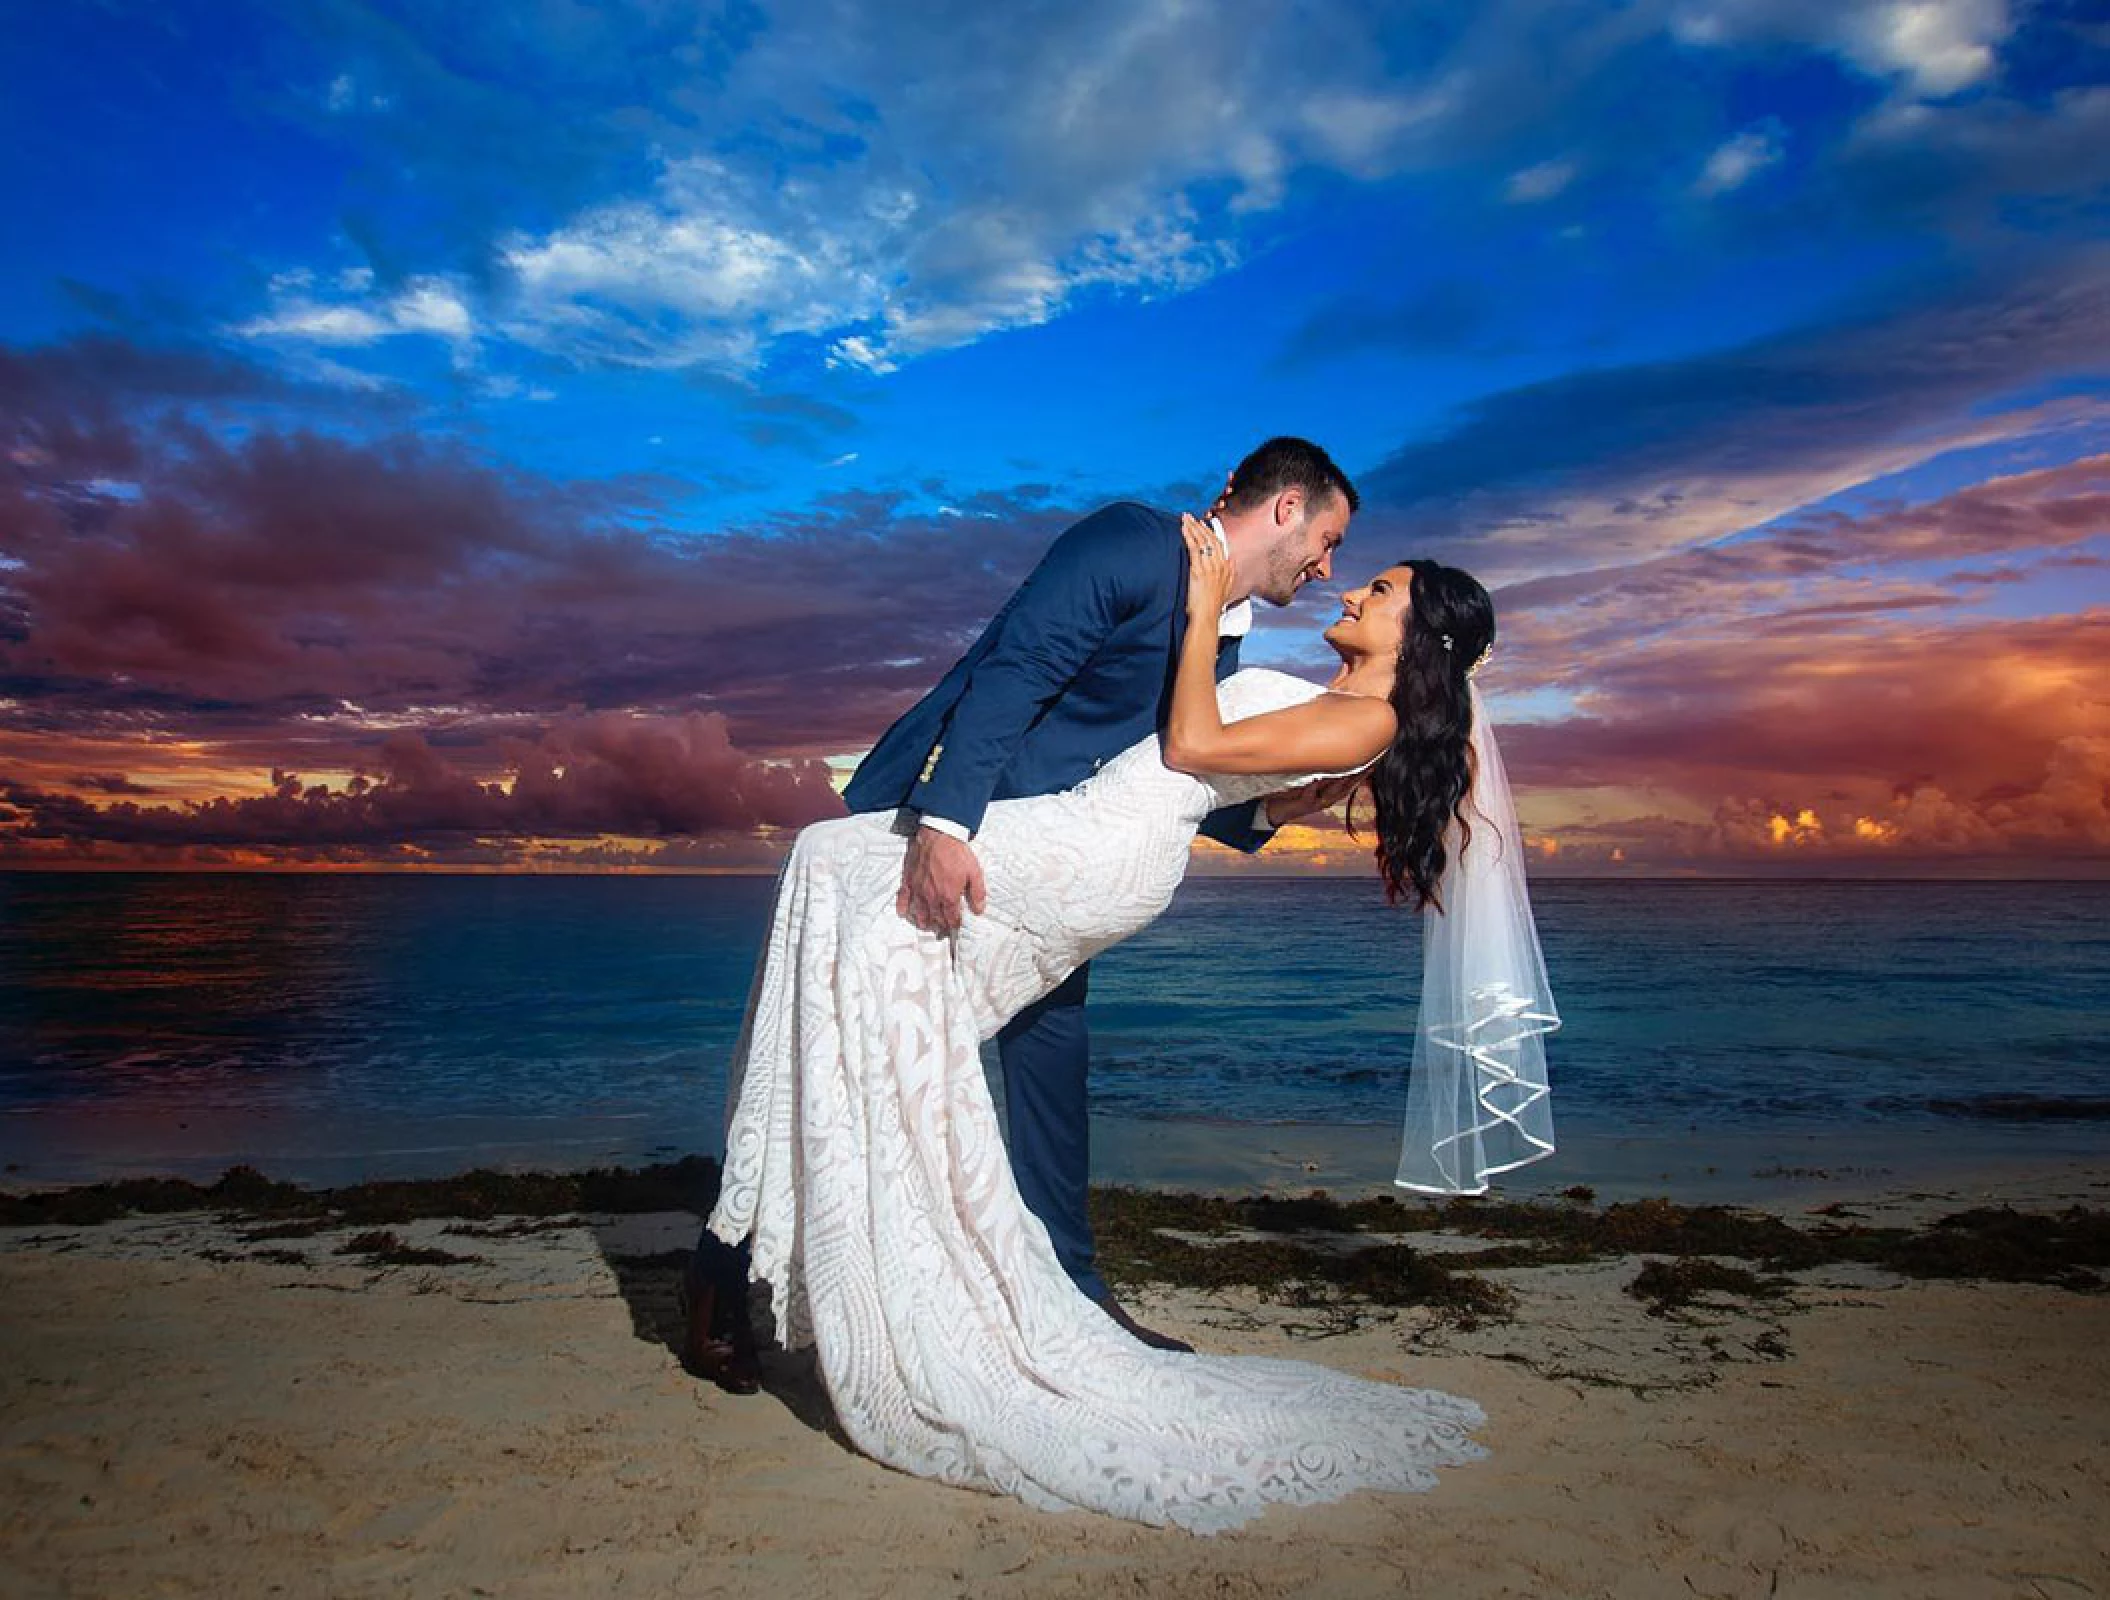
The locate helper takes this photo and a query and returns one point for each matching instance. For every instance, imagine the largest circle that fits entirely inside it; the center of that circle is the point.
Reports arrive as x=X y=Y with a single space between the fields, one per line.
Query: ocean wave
x=2005 y=1107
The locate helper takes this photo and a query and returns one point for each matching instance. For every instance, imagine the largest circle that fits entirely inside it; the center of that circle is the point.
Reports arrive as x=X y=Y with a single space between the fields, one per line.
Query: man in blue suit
x=1076 y=667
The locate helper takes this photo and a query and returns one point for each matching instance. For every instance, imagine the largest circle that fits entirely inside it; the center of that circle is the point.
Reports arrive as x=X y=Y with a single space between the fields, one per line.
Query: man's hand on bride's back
x=1285 y=806
x=938 y=875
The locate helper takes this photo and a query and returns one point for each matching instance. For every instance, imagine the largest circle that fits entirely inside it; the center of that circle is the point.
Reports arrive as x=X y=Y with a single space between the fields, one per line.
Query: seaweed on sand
x=1140 y=1238
x=1310 y=1244
x=385 y=1249
x=1138 y=1231
x=2069 y=1248
x=1669 y=1288
x=690 y=1184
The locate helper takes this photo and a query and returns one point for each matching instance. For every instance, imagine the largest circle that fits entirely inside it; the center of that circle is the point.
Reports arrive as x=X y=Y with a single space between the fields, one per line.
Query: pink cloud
x=510 y=661
x=1827 y=691
x=290 y=574
x=1827 y=566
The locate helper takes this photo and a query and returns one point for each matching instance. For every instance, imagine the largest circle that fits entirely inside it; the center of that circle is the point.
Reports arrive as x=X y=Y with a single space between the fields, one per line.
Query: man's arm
x=1250 y=827
x=1083 y=588
x=1060 y=616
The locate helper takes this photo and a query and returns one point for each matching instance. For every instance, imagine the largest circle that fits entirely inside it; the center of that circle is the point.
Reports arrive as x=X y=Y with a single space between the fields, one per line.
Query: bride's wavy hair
x=1420 y=782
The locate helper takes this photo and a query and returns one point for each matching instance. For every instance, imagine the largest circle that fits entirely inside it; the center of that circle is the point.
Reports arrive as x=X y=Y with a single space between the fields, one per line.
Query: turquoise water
x=312 y=1011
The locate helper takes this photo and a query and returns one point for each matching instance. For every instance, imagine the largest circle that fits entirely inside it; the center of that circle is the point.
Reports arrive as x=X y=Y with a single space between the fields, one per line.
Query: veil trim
x=1478 y=1096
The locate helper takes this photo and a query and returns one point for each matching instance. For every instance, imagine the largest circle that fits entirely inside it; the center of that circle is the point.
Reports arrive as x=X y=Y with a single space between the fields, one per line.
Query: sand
x=172 y=1424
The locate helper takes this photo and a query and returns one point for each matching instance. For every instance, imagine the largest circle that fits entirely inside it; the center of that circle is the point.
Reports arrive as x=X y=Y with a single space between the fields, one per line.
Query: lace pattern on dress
x=863 y=1157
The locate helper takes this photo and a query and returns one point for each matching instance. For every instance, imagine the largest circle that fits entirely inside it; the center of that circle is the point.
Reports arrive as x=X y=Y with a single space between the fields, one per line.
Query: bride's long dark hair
x=1421 y=780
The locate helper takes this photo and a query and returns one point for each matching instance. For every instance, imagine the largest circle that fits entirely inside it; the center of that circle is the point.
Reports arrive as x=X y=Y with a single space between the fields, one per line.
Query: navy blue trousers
x=1047 y=1051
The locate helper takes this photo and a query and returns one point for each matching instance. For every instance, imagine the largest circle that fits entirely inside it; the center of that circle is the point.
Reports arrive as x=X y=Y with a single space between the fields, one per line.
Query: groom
x=1075 y=667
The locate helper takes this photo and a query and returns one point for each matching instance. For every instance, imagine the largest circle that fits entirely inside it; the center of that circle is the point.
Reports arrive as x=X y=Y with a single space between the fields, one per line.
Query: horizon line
x=1680 y=875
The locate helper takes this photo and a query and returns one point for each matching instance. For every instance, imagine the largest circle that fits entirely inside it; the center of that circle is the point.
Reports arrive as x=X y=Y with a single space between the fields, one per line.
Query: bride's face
x=1373 y=618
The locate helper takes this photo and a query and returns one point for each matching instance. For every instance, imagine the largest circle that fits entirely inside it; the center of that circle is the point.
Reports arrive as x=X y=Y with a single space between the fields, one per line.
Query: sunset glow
x=565 y=445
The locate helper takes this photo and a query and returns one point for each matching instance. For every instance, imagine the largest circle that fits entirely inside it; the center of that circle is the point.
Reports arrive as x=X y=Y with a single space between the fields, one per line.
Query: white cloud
x=858 y=351
x=505 y=386
x=2021 y=148
x=1938 y=46
x=431 y=306
x=716 y=268
x=343 y=96
x=1362 y=132
x=696 y=274
x=318 y=324
x=819 y=186
x=1733 y=163
x=333 y=374
x=1541 y=182
x=890 y=182
x=1930 y=47
x=300 y=315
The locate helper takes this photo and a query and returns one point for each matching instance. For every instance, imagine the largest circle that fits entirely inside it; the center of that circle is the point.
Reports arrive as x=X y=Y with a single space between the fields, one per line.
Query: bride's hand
x=1209 y=572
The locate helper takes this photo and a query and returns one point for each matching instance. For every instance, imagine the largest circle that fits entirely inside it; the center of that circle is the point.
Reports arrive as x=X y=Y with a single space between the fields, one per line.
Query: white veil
x=1477 y=1100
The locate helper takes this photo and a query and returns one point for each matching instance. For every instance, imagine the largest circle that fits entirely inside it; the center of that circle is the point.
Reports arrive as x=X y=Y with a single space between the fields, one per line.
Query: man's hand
x=1321 y=794
x=940 y=871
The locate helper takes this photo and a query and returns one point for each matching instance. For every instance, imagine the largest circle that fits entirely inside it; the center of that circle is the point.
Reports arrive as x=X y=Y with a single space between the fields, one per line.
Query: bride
x=864 y=1167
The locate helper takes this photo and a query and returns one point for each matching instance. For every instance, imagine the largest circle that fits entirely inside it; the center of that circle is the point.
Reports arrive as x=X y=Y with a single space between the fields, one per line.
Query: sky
x=563 y=436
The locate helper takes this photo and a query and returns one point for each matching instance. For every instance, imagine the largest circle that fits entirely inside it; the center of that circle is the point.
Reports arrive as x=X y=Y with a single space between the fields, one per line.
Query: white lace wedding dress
x=863 y=1157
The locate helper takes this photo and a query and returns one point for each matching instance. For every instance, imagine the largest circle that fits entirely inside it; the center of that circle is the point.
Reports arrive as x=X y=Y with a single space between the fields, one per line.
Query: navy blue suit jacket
x=1075 y=668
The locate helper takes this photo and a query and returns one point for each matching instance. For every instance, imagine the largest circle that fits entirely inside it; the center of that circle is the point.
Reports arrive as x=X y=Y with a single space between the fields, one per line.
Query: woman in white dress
x=864 y=1165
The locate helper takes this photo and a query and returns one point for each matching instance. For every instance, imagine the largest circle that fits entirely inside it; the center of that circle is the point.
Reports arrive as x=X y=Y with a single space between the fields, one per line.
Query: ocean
x=333 y=1026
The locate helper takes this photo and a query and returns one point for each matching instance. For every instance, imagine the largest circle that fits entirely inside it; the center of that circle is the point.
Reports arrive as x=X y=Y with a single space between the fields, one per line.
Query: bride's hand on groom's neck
x=1209 y=571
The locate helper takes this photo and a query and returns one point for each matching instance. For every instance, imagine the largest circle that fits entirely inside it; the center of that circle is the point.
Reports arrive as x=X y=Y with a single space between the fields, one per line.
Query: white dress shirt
x=1237 y=619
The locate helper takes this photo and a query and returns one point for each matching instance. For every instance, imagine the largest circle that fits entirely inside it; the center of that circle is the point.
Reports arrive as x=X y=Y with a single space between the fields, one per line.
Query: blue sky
x=815 y=298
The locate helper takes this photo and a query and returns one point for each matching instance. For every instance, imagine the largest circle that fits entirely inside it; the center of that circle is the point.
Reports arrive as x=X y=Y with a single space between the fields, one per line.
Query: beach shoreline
x=1780 y=1166
x=252 y=1395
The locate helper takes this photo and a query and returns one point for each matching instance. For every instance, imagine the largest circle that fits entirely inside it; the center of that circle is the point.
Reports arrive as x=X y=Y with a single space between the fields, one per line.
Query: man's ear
x=1288 y=504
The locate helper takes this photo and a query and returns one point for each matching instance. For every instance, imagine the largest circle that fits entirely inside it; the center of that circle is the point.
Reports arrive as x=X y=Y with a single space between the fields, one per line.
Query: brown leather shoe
x=718 y=1338
x=1135 y=1330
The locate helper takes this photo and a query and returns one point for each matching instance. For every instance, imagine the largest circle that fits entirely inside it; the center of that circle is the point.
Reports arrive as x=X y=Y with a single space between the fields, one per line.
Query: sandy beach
x=211 y=1403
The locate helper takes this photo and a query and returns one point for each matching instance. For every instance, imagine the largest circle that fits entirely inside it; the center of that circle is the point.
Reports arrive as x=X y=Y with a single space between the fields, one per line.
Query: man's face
x=1305 y=539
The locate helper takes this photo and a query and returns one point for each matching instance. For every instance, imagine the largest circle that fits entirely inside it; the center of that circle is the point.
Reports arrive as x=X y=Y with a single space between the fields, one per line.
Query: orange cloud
x=484 y=669
x=1831 y=693
x=602 y=776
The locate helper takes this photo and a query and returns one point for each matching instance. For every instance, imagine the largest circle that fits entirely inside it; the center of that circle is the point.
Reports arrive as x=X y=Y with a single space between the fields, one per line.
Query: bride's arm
x=1332 y=733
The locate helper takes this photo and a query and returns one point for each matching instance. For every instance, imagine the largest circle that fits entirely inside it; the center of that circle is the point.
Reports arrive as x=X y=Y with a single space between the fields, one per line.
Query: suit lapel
x=1226 y=648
